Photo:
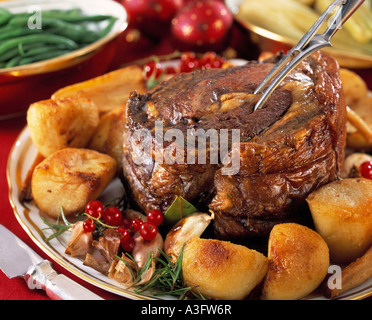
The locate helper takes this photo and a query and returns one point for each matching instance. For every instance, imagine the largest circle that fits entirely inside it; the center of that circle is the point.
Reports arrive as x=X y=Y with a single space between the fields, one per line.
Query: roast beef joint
x=284 y=151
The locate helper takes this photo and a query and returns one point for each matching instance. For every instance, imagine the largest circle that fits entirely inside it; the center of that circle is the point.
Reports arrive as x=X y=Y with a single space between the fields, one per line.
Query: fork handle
x=342 y=15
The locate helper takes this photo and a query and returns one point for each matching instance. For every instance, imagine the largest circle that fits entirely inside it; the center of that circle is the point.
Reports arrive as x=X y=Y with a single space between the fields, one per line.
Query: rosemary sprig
x=166 y=280
x=60 y=228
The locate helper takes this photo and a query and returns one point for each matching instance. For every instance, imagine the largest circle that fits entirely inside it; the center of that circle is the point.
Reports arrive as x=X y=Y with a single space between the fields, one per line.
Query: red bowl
x=20 y=86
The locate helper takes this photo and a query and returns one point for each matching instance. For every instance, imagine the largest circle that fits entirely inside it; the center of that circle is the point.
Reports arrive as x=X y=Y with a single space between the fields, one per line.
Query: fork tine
x=284 y=66
x=312 y=46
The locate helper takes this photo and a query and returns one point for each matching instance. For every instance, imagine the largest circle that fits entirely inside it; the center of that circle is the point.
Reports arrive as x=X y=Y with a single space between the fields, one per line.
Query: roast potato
x=57 y=124
x=70 y=178
x=221 y=269
x=298 y=262
x=108 y=137
x=342 y=214
x=108 y=91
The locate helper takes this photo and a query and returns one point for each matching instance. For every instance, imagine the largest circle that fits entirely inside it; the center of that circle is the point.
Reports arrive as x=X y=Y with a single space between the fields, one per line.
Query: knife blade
x=17 y=259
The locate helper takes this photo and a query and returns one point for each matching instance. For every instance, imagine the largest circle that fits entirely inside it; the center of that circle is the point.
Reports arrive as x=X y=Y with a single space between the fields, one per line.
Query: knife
x=17 y=259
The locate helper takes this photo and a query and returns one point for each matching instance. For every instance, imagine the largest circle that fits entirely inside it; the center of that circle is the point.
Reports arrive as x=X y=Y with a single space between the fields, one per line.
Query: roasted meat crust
x=289 y=148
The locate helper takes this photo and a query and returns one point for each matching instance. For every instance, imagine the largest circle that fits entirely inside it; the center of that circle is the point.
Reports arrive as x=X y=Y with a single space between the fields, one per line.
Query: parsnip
x=108 y=91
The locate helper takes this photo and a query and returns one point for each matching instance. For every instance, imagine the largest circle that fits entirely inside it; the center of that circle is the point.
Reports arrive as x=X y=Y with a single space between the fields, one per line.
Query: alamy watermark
x=335 y=280
x=222 y=147
x=35 y=20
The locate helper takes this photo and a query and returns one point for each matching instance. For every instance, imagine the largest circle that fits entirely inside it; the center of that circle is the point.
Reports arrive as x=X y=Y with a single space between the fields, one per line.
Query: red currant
x=148 y=231
x=366 y=169
x=95 y=209
x=88 y=225
x=112 y=216
x=212 y=60
x=170 y=70
x=189 y=62
x=154 y=69
x=124 y=231
x=136 y=224
x=127 y=243
x=155 y=217
x=126 y=223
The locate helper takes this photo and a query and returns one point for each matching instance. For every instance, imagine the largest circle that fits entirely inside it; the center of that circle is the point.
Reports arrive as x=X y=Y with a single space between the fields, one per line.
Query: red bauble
x=202 y=25
x=152 y=17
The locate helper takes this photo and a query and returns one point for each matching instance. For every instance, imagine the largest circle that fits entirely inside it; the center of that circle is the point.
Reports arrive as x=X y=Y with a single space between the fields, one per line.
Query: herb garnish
x=60 y=228
x=180 y=208
x=166 y=280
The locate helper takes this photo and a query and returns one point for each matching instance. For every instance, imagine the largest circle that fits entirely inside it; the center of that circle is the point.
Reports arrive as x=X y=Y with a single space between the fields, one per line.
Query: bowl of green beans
x=48 y=44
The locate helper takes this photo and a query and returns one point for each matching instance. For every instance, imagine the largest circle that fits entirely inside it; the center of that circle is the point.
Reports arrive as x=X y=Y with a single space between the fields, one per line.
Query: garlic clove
x=80 y=241
x=187 y=228
x=143 y=248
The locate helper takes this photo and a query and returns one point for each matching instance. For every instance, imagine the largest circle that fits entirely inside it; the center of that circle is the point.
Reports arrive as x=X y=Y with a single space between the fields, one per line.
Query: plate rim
x=360 y=294
x=43 y=246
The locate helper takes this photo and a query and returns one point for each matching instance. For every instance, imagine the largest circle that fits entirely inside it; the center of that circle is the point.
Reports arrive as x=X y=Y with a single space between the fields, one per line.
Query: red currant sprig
x=152 y=69
x=112 y=218
x=190 y=62
x=95 y=211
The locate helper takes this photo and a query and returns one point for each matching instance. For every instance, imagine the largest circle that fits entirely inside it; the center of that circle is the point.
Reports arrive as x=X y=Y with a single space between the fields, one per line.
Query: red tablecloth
x=16 y=289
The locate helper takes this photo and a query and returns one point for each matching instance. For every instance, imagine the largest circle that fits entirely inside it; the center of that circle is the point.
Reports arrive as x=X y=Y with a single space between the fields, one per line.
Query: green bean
x=20 y=18
x=62 y=31
x=5 y=16
x=46 y=37
x=13 y=62
x=78 y=17
x=80 y=37
x=45 y=56
x=9 y=54
x=2 y=65
x=17 y=51
x=17 y=33
x=69 y=30
x=39 y=50
x=108 y=28
x=6 y=29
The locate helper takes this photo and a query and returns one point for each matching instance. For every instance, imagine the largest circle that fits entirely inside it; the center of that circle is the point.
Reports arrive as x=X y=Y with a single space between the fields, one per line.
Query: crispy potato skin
x=221 y=269
x=70 y=178
x=342 y=214
x=57 y=124
x=298 y=262
x=108 y=137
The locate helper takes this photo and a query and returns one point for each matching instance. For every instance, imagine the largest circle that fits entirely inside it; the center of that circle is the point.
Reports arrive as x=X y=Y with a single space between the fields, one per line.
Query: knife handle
x=57 y=286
